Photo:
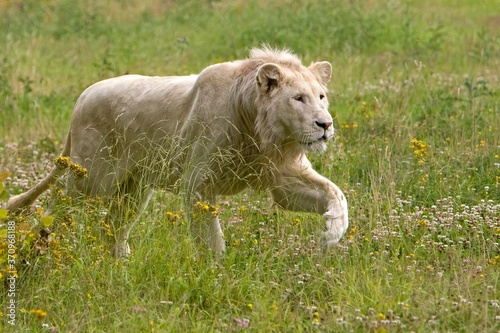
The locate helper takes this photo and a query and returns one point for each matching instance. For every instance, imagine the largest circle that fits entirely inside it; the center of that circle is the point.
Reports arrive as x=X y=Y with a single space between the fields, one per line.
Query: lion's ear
x=268 y=77
x=322 y=70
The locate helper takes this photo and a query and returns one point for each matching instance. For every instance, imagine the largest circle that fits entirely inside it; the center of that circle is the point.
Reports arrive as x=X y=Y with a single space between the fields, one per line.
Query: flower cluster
x=78 y=170
x=203 y=208
x=420 y=149
x=64 y=162
x=316 y=318
x=38 y=314
x=175 y=218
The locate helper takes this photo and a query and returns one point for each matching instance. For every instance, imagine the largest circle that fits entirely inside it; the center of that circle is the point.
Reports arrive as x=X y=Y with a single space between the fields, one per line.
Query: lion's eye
x=299 y=98
x=321 y=96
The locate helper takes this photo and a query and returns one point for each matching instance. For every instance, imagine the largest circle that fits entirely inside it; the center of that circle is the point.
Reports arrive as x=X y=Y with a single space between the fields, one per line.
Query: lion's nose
x=324 y=126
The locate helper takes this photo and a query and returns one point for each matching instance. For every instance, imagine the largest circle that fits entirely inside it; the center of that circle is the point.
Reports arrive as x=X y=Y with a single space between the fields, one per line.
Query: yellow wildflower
x=78 y=170
x=62 y=162
x=39 y=314
x=352 y=231
x=420 y=149
x=316 y=320
x=203 y=208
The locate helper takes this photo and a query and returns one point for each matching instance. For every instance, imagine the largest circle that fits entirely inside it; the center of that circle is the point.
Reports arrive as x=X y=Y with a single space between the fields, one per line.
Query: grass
x=415 y=99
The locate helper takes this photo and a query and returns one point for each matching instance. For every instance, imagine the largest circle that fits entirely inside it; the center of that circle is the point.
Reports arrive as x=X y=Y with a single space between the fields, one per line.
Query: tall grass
x=415 y=98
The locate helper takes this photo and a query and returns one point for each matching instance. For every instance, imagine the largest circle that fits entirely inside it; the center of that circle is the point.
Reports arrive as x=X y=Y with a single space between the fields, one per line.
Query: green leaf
x=3 y=233
x=4 y=196
x=47 y=220
x=4 y=176
x=3 y=213
x=1 y=188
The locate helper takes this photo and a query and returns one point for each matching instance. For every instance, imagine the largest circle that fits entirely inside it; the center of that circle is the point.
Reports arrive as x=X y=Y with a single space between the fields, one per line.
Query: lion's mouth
x=324 y=138
x=309 y=144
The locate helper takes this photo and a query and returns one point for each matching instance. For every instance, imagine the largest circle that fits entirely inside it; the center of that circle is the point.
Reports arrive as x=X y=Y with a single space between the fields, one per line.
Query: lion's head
x=293 y=106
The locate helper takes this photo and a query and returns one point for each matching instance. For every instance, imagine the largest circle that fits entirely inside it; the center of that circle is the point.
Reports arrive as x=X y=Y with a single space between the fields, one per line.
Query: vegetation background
x=415 y=98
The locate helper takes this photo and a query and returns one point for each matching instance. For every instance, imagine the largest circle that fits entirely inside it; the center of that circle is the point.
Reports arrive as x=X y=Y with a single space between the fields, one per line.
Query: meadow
x=415 y=98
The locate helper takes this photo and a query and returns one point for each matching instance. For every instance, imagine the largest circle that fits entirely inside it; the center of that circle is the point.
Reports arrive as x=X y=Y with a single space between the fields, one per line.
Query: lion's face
x=297 y=105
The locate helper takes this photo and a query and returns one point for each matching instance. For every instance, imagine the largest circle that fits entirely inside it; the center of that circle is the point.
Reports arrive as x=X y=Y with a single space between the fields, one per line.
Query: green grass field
x=415 y=98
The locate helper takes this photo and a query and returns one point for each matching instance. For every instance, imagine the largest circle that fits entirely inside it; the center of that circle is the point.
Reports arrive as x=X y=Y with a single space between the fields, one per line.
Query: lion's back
x=134 y=104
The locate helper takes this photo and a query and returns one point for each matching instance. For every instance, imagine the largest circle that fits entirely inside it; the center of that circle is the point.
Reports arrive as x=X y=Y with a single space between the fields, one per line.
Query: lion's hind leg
x=123 y=198
x=124 y=212
x=204 y=224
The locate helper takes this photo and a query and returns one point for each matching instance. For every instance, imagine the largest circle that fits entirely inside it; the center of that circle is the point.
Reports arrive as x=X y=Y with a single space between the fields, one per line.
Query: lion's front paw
x=217 y=242
x=336 y=225
x=330 y=238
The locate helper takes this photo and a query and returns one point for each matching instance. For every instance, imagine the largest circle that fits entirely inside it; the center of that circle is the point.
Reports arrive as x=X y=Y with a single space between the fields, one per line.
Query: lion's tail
x=25 y=199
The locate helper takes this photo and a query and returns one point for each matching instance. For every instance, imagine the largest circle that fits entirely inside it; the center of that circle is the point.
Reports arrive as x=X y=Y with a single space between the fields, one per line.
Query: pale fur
x=246 y=123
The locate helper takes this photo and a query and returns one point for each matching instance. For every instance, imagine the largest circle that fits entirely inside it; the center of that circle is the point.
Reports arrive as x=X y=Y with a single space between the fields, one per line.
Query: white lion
x=246 y=123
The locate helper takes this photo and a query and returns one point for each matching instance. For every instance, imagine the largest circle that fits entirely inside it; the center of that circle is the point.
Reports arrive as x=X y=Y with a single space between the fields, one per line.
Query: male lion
x=246 y=123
